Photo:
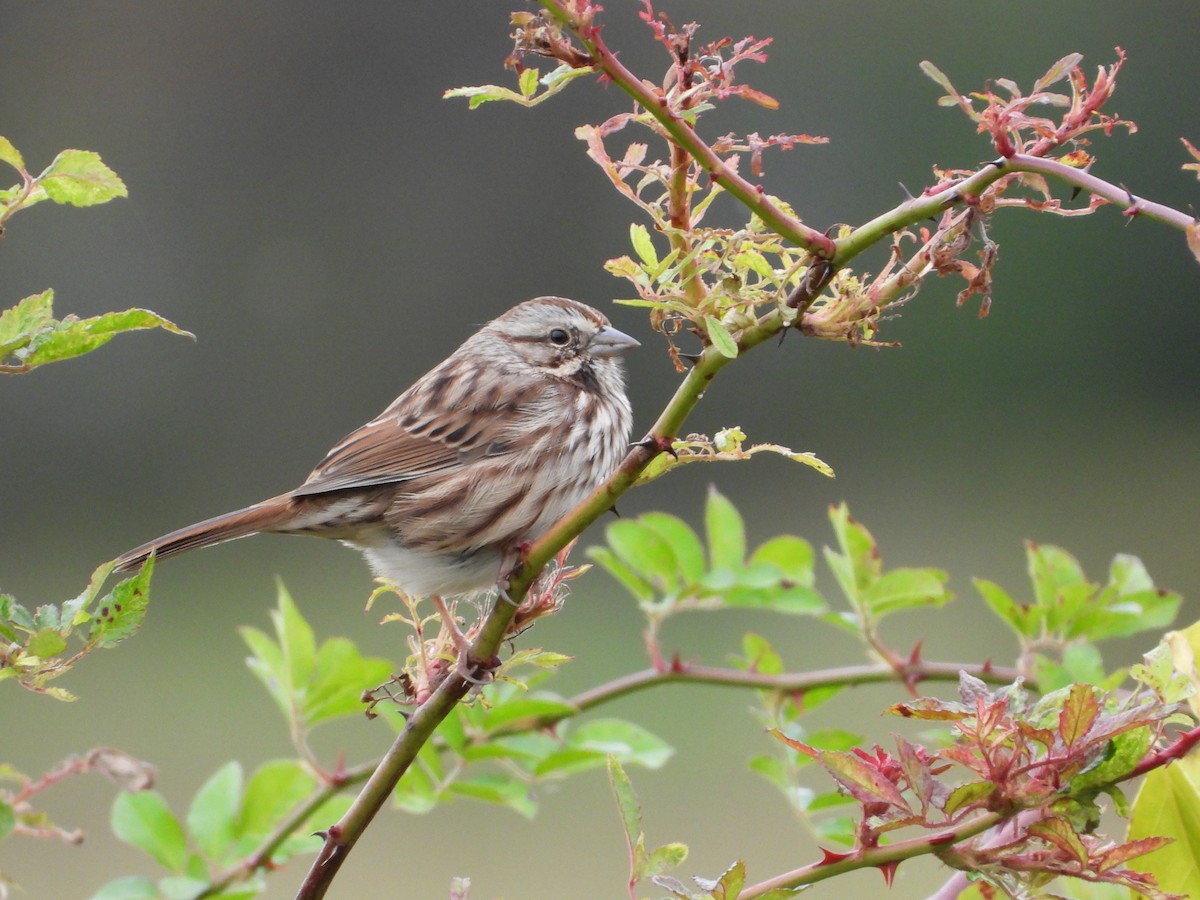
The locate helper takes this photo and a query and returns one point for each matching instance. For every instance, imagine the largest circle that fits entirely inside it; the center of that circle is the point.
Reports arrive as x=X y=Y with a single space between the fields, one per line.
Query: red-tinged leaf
x=917 y=770
x=1078 y=714
x=888 y=870
x=968 y=795
x=1193 y=240
x=1077 y=159
x=1191 y=148
x=930 y=709
x=1115 y=856
x=1059 y=832
x=964 y=756
x=766 y=100
x=1043 y=736
x=865 y=782
x=794 y=744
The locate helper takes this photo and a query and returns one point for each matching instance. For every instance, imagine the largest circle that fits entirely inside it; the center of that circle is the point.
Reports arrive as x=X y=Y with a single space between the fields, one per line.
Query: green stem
x=929 y=206
x=785 y=683
x=875 y=857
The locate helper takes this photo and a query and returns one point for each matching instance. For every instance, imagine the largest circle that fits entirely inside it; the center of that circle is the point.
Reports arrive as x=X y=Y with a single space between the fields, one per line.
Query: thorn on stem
x=658 y=443
x=829 y=857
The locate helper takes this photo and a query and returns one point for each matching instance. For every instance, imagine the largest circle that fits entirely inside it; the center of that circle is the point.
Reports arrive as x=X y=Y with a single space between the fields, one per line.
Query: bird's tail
x=265 y=516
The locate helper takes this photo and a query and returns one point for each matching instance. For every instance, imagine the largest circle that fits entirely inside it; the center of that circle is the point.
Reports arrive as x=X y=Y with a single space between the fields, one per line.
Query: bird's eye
x=559 y=336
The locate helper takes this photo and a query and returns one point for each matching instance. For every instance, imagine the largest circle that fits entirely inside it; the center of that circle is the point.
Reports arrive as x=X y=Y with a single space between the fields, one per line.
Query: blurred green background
x=304 y=201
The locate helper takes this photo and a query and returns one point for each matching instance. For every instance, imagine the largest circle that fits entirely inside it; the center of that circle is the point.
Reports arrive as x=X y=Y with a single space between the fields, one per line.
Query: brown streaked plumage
x=482 y=453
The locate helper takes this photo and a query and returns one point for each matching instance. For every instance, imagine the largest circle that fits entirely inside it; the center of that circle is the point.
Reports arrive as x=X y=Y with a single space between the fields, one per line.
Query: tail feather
x=265 y=516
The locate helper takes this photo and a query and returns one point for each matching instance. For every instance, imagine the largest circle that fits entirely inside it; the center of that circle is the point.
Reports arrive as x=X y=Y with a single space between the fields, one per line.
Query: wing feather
x=428 y=430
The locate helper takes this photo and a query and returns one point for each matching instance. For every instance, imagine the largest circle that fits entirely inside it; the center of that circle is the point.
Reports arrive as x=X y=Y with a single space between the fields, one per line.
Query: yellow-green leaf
x=720 y=338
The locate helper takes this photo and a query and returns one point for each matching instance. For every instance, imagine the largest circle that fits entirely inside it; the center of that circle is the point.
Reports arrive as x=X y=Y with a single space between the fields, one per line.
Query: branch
x=786 y=683
x=942 y=197
x=875 y=857
x=682 y=134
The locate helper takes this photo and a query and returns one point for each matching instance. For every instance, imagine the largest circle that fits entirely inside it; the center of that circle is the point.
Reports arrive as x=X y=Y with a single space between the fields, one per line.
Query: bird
x=481 y=455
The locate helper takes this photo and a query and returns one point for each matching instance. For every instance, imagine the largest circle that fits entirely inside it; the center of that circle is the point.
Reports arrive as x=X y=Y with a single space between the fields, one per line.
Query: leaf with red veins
x=968 y=796
x=915 y=761
x=796 y=745
x=865 y=782
x=1112 y=857
x=1044 y=736
x=968 y=757
x=930 y=709
x=1078 y=714
x=1059 y=832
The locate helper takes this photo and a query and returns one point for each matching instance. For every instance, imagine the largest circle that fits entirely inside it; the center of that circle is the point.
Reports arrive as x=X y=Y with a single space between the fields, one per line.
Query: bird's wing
x=402 y=444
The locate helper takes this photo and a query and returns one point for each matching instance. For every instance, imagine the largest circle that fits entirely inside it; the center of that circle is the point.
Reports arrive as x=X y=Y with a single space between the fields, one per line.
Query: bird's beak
x=610 y=342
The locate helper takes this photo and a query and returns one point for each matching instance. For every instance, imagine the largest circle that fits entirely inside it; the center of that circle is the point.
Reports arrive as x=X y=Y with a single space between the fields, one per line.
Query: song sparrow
x=484 y=452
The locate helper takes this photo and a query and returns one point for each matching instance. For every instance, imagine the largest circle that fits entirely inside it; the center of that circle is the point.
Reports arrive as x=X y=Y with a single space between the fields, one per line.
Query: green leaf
x=902 y=589
x=213 y=816
x=1052 y=569
x=528 y=82
x=725 y=531
x=73 y=337
x=19 y=324
x=130 y=887
x=80 y=178
x=663 y=859
x=499 y=790
x=46 y=643
x=839 y=829
x=643 y=245
x=1058 y=71
x=144 y=821
x=10 y=154
x=791 y=556
x=760 y=656
x=1168 y=805
x=296 y=639
x=1021 y=619
x=968 y=794
x=624 y=741
x=1124 y=752
x=720 y=338
x=627 y=803
x=609 y=561
x=644 y=551
x=8 y=819
x=858 y=564
x=268 y=664
x=527 y=706
x=684 y=543
x=570 y=761
x=119 y=614
x=417 y=792
x=274 y=790
x=340 y=675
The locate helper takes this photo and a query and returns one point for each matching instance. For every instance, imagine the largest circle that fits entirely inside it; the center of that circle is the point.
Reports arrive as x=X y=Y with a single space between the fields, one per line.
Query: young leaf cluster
x=35 y=646
x=29 y=334
x=230 y=827
x=1068 y=613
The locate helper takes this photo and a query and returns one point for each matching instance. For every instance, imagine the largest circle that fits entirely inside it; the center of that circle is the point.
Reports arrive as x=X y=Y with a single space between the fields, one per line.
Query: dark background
x=303 y=200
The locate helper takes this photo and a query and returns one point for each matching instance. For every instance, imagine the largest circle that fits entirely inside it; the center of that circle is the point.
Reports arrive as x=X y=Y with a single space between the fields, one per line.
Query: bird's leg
x=461 y=644
x=478 y=672
x=510 y=565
